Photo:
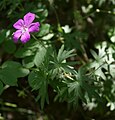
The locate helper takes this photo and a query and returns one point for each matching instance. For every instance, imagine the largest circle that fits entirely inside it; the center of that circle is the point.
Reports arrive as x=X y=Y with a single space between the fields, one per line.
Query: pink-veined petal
x=19 y=24
x=25 y=37
x=16 y=35
x=28 y=18
x=34 y=27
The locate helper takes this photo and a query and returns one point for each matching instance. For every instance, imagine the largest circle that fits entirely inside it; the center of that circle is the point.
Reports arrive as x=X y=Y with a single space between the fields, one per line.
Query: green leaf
x=63 y=54
x=48 y=36
x=32 y=44
x=100 y=60
x=23 y=52
x=75 y=92
x=73 y=86
x=60 y=52
x=8 y=77
x=45 y=28
x=16 y=67
x=11 y=64
x=86 y=83
x=91 y=91
x=75 y=37
x=59 y=64
x=28 y=62
x=62 y=93
x=11 y=71
x=42 y=14
x=112 y=70
x=37 y=80
x=21 y=72
x=1 y=87
x=39 y=57
x=94 y=54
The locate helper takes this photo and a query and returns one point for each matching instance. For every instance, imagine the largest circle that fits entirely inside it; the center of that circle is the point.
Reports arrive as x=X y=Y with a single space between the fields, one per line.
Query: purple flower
x=25 y=27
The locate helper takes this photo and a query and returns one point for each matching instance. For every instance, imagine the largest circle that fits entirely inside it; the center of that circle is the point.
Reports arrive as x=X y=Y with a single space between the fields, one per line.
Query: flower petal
x=28 y=18
x=25 y=37
x=34 y=27
x=19 y=24
x=16 y=35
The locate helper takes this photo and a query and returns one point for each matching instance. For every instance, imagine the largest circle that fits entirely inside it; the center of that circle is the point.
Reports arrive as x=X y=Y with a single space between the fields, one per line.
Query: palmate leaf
x=100 y=60
x=59 y=63
x=72 y=40
x=81 y=85
x=63 y=54
x=91 y=90
x=103 y=60
x=62 y=94
x=38 y=81
x=87 y=84
x=71 y=92
x=75 y=95
x=74 y=87
x=75 y=91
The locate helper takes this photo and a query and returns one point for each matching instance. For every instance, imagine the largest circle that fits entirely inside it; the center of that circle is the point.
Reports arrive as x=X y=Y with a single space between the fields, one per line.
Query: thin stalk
x=76 y=25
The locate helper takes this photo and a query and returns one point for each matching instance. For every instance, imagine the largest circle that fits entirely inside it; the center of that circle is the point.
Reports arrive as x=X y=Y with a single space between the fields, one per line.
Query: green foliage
x=45 y=28
x=38 y=81
x=59 y=63
x=10 y=71
x=71 y=59
x=39 y=57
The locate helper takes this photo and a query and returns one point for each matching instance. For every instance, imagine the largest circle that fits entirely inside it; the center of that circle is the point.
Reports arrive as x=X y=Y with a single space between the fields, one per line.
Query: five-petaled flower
x=25 y=27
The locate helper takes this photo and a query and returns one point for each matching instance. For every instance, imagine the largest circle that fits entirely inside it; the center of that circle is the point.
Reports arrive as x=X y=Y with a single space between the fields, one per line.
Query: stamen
x=24 y=29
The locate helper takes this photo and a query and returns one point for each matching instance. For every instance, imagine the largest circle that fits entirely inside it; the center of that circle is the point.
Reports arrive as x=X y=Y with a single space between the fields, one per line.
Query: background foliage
x=69 y=64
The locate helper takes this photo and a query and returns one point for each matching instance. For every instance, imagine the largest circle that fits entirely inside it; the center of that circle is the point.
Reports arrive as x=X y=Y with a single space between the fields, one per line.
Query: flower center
x=24 y=29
